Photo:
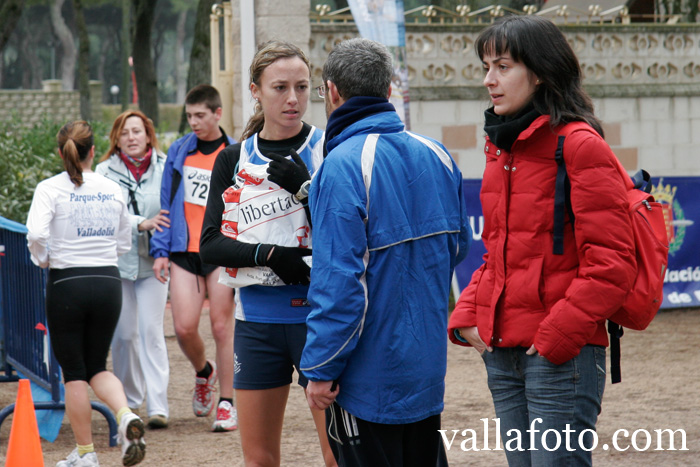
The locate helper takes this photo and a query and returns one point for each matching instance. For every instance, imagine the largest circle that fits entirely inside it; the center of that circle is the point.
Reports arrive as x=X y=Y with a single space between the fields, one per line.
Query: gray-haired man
x=389 y=227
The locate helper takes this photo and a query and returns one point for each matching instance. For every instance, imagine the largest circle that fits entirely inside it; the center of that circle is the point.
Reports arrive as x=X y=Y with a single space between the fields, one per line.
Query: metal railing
x=463 y=14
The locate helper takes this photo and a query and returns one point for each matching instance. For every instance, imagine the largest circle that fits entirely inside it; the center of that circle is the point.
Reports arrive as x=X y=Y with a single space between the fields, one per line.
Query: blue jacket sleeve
x=465 y=235
x=338 y=291
x=161 y=241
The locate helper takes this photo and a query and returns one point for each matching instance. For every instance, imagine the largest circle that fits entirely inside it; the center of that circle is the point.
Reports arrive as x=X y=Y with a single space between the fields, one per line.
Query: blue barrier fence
x=24 y=324
x=24 y=340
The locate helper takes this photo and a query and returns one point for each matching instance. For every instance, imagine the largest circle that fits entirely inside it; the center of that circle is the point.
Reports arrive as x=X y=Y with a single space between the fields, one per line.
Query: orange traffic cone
x=24 y=449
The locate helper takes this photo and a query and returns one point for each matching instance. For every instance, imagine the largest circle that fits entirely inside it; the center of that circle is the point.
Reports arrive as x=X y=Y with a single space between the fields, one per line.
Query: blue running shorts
x=265 y=354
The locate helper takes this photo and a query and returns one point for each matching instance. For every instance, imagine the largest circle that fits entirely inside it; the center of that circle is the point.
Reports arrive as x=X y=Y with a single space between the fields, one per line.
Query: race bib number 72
x=196 y=184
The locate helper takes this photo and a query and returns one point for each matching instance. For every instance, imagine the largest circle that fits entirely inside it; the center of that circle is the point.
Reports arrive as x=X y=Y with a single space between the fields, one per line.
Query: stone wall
x=645 y=81
x=33 y=105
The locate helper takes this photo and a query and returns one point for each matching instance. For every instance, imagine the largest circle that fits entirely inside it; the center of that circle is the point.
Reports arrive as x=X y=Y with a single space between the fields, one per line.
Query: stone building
x=644 y=77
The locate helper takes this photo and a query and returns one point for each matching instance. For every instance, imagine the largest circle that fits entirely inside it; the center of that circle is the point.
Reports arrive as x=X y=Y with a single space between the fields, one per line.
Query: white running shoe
x=130 y=436
x=226 y=417
x=203 y=397
x=157 y=421
x=74 y=460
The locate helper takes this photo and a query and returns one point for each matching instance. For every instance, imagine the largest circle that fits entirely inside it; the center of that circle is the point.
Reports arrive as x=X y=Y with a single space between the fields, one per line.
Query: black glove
x=290 y=175
x=288 y=264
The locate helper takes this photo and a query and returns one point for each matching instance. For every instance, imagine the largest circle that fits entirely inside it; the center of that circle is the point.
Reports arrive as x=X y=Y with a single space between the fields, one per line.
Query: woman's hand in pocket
x=471 y=335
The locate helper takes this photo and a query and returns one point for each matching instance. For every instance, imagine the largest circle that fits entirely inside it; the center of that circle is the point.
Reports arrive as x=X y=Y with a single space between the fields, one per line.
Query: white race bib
x=257 y=210
x=196 y=184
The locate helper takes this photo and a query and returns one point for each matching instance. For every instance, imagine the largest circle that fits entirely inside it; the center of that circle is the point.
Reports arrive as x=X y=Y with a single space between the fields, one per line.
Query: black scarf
x=353 y=110
x=503 y=131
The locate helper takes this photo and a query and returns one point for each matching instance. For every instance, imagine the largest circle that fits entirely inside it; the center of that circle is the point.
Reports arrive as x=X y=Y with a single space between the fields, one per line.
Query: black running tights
x=82 y=310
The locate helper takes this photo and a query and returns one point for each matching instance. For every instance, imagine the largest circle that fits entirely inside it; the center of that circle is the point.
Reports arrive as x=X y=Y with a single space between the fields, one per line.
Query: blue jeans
x=561 y=402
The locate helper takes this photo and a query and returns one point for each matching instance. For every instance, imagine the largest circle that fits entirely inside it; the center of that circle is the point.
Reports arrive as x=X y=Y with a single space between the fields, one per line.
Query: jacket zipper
x=508 y=168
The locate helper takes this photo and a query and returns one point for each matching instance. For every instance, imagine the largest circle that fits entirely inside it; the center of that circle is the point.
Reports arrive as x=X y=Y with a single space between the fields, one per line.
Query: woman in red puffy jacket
x=537 y=318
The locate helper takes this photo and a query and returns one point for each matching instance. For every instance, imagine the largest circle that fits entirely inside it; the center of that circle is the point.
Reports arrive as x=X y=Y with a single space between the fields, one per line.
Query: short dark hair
x=359 y=67
x=204 y=94
x=537 y=43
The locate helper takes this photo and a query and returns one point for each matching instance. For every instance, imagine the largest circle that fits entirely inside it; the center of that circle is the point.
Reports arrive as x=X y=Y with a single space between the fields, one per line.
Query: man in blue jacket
x=389 y=226
x=184 y=192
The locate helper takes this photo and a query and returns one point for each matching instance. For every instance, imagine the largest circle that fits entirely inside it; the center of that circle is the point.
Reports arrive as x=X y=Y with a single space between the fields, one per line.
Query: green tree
x=83 y=60
x=200 y=60
x=184 y=9
x=687 y=8
x=69 y=54
x=126 y=47
x=104 y=19
x=169 y=46
x=146 y=80
x=29 y=156
x=25 y=55
x=10 y=11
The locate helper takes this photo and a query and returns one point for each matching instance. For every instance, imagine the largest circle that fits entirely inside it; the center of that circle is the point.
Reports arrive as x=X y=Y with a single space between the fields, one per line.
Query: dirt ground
x=659 y=390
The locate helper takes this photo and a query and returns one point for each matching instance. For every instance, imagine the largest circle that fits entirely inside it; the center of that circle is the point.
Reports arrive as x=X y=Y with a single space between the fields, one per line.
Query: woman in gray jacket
x=139 y=355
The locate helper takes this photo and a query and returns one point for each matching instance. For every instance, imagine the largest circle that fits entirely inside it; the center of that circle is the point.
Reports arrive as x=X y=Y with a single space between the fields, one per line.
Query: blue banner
x=678 y=196
x=474 y=259
x=383 y=21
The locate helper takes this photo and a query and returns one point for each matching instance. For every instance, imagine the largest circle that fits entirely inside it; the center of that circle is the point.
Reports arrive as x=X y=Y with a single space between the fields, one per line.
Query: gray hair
x=359 y=67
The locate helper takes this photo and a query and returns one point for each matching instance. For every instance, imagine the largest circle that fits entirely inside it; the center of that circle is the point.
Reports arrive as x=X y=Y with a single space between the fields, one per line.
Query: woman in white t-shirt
x=77 y=226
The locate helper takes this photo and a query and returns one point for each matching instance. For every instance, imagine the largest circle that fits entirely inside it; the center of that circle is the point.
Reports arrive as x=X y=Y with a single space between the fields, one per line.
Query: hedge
x=28 y=156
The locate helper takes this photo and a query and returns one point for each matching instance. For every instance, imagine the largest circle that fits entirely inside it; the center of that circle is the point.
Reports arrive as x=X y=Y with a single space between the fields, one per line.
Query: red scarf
x=137 y=167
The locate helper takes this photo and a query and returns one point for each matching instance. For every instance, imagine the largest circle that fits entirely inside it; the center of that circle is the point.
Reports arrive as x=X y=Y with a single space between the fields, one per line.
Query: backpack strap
x=616 y=332
x=642 y=181
x=562 y=204
x=562 y=199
